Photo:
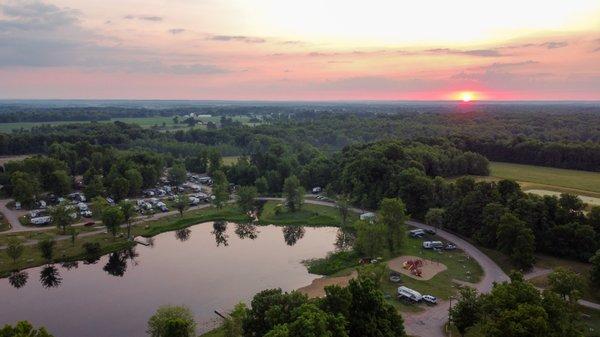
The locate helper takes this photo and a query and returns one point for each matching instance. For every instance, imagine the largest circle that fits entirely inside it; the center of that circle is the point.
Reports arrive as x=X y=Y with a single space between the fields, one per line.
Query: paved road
x=13 y=217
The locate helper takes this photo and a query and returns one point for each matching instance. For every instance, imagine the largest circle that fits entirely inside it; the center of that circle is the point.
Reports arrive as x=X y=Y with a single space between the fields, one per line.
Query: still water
x=210 y=266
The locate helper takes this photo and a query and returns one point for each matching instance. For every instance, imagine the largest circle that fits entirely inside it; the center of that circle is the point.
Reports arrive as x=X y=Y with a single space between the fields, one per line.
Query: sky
x=300 y=50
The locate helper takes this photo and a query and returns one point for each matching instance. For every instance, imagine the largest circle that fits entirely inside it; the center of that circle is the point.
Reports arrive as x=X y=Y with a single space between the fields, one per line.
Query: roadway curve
x=430 y=323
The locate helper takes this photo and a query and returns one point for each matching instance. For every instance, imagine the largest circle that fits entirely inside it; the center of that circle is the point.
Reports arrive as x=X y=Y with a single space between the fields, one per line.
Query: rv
x=433 y=244
x=407 y=293
x=42 y=220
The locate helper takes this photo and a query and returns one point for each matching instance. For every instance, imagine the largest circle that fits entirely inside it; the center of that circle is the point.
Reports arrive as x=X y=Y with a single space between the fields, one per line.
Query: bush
x=333 y=263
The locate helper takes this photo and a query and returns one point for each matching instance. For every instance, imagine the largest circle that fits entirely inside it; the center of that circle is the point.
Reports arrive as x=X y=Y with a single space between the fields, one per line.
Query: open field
x=230 y=160
x=145 y=122
x=548 y=178
x=310 y=214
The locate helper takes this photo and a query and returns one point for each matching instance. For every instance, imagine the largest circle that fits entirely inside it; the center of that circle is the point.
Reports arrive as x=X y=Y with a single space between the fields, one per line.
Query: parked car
x=17 y=205
x=450 y=246
x=430 y=231
x=417 y=233
x=429 y=299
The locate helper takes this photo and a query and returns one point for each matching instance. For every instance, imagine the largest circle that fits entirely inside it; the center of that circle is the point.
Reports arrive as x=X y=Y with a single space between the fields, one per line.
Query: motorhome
x=433 y=244
x=407 y=293
x=42 y=220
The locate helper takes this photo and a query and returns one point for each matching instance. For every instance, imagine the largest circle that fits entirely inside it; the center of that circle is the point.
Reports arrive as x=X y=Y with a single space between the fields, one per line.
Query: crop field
x=547 y=178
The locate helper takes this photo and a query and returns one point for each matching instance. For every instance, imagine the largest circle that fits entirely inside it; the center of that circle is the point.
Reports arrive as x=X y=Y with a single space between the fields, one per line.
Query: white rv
x=42 y=220
x=413 y=295
x=433 y=244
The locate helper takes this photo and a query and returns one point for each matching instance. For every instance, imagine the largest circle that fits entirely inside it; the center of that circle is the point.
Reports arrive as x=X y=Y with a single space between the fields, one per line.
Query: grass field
x=548 y=178
x=145 y=122
x=310 y=214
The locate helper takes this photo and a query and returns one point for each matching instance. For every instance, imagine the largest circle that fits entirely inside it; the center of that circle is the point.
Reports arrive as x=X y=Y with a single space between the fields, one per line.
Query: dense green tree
x=135 y=179
x=94 y=188
x=112 y=218
x=566 y=283
x=14 y=249
x=220 y=189
x=215 y=161
x=247 y=197
x=435 y=217
x=62 y=216
x=60 y=184
x=46 y=247
x=392 y=214
x=119 y=188
x=161 y=323
x=516 y=240
x=233 y=323
x=487 y=233
x=293 y=193
x=177 y=174
x=181 y=203
x=25 y=187
x=23 y=329
x=270 y=308
x=595 y=270
x=262 y=185
x=370 y=313
x=128 y=210
x=343 y=207
x=371 y=239
x=467 y=311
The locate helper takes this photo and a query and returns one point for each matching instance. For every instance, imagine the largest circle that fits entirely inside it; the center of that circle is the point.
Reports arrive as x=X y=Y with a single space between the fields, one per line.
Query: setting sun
x=466 y=96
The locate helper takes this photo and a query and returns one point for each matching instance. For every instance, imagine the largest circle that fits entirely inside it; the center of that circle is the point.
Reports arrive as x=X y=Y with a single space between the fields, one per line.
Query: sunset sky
x=300 y=50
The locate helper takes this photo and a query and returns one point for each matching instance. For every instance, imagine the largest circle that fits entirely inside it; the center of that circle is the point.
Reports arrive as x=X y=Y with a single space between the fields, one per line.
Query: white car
x=429 y=299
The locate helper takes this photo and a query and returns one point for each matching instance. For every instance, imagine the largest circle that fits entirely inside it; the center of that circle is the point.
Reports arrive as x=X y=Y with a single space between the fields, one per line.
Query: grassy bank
x=310 y=214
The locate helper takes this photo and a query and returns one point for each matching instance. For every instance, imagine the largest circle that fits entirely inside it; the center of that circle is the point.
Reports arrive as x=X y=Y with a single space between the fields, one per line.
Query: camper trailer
x=433 y=244
x=407 y=293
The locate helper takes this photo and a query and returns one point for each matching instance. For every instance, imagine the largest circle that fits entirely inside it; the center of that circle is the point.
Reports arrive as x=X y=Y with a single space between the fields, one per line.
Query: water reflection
x=291 y=234
x=50 y=277
x=70 y=265
x=183 y=234
x=344 y=239
x=18 y=279
x=219 y=231
x=246 y=230
x=117 y=262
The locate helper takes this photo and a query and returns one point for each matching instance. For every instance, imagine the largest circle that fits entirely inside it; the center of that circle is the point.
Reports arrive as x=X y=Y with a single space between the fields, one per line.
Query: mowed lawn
x=539 y=177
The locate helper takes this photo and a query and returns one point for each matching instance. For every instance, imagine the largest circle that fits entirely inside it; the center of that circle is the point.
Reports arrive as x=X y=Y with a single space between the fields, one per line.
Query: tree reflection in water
x=219 y=229
x=70 y=265
x=50 y=277
x=18 y=279
x=117 y=262
x=246 y=230
x=344 y=239
x=116 y=265
x=291 y=234
x=183 y=234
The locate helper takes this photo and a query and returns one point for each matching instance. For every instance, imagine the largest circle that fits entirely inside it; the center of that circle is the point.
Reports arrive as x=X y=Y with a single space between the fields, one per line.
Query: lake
x=207 y=267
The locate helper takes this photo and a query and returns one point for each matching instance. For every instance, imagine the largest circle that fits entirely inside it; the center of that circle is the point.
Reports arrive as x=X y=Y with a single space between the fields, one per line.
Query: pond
x=207 y=267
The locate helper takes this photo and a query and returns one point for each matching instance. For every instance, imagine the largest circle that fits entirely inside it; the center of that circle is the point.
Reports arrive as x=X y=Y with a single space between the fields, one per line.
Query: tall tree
x=62 y=216
x=14 y=249
x=46 y=248
x=246 y=197
x=128 y=211
x=435 y=217
x=220 y=189
x=516 y=240
x=467 y=312
x=392 y=214
x=566 y=283
x=595 y=270
x=181 y=203
x=177 y=174
x=60 y=182
x=343 y=207
x=293 y=193
x=112 y=218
